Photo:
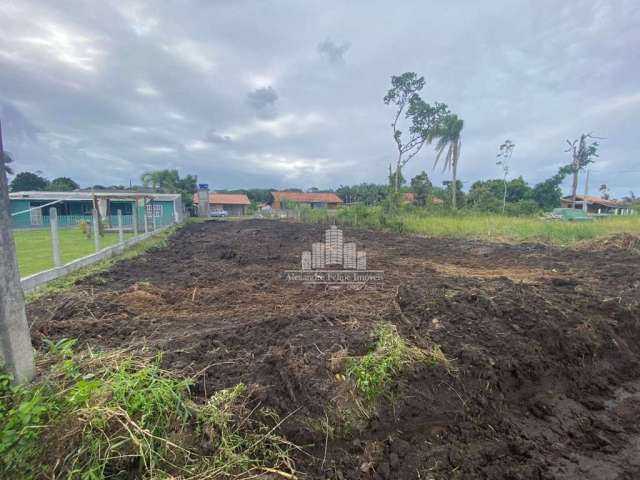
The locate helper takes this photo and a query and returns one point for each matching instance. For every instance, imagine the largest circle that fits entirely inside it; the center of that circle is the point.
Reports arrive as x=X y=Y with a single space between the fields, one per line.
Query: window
x=154 y=211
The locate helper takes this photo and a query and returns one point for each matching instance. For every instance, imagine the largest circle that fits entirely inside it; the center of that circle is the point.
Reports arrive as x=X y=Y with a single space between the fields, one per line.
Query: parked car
x=218 y=213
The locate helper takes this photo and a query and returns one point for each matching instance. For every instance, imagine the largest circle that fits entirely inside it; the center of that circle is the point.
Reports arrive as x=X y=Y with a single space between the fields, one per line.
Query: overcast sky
x=289 y=93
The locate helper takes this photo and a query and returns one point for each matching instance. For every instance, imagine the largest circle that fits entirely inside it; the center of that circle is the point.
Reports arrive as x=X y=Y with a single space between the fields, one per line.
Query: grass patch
x=111 y=415
x=34 y=253
x=159 y=240
x=389 y=356
x=492 y=227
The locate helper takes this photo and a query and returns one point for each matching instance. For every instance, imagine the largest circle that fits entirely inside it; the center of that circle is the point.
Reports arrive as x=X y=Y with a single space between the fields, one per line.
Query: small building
x=235 y=204
x=410 y=197
x=314 y=200
x=77 y=206
x=596 y=205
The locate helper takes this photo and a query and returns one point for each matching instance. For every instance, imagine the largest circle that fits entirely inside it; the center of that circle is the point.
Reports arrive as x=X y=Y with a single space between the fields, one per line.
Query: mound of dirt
x=621 y=241
x=545 y=344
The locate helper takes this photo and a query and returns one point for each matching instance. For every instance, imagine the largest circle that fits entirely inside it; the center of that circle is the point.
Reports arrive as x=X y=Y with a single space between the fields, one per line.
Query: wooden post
x=16 y=353
x=146 y=220
x=96 y=230
x=55 y=237
x=120 y=230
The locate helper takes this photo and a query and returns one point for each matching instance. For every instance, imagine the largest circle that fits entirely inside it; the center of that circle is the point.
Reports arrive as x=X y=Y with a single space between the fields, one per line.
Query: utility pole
x=586 y=192
x=16 y=352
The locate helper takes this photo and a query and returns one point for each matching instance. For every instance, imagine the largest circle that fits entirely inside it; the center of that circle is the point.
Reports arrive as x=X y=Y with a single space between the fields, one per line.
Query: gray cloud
x=333 y=52
x=103 y=92
x=263 y=101
x=215 y=137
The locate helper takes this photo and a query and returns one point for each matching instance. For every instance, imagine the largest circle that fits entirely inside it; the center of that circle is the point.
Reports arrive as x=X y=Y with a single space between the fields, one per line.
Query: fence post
x=146 y=220
x=55 y=237
x=16 y=353
x=155 y=225
x=120 y=230
x=134 y=218
x=96 y=230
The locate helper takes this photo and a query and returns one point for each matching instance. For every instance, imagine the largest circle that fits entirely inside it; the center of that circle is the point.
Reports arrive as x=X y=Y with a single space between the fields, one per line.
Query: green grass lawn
x=498 y=227
x=466 y=224
x=33 y=247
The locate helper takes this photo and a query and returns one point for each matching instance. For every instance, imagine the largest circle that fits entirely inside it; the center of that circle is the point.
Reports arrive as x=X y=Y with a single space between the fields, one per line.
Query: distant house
x=74 y=207
x=233 y=203
x=596 y=204
x=314 y=200
x=410 y=197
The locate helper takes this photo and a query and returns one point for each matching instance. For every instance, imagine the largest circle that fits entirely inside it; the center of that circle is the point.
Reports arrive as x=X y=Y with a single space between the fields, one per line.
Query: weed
x=110 y=415
x=390 y=354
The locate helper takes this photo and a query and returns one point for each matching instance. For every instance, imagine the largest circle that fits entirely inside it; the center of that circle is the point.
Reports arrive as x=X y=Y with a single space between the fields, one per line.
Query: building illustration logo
x=335 y=262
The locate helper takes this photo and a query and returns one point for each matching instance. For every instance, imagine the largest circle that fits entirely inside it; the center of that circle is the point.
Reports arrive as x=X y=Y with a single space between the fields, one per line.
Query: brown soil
x=546 y=343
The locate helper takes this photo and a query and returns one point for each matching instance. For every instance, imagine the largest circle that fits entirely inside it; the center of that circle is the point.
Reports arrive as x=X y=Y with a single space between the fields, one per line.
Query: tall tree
x=421 y=186
x=420 y=118
x=504 y=156
x=28 y=181
x=448 y=134
x=169 y=181
x=62 y=184
x=583 y=152
x=604 y=191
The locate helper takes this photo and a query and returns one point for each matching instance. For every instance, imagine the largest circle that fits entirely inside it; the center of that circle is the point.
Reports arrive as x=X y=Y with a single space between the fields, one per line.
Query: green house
x=32 y=209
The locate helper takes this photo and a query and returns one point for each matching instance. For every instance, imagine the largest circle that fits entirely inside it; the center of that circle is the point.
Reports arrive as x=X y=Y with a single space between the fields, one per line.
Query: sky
x=289 y=94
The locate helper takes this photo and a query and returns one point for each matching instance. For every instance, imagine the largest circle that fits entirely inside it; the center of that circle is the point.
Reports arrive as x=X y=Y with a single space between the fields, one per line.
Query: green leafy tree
x=421 y=187
x=448 y=134
x=583 y=152
x=504 y=157
x=62 y=184
x=454 y=195
x=604 y=191
x=28 y=181
x=169 y=181
x=420 y=118
x=547 y=194
x=396 y=177
x=488 y=195
x=366 y=193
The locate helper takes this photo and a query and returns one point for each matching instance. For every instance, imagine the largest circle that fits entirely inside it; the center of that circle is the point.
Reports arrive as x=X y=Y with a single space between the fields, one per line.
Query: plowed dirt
x=545 y=342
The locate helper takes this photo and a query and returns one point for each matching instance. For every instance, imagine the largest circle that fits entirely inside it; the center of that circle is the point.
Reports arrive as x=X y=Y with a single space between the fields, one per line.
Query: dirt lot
x=546 y=343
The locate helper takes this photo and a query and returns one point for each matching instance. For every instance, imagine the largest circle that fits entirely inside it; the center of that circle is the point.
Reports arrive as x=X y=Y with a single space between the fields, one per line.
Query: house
x=596 y=205
x=235 y=204
x=77 y=206
x=410 y=197
x=314 y=200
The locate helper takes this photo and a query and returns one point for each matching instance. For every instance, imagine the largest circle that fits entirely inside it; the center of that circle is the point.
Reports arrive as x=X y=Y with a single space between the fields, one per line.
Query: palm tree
x=448 y=135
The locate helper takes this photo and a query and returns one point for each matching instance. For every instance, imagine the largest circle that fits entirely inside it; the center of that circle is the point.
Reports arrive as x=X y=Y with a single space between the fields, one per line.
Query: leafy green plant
x=389 y=355
x=111 y=415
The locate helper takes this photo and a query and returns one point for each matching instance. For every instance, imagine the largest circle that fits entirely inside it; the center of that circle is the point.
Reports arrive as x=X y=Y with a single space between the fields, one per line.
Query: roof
x=591 y=199
x=225 y=199
x=307 y=197
x=409 y=197
x=77 y=196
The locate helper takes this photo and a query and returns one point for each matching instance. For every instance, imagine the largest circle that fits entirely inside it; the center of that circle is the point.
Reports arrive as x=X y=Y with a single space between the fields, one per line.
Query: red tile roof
x=593 y=200
x=225 y=199
x=307 y=197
